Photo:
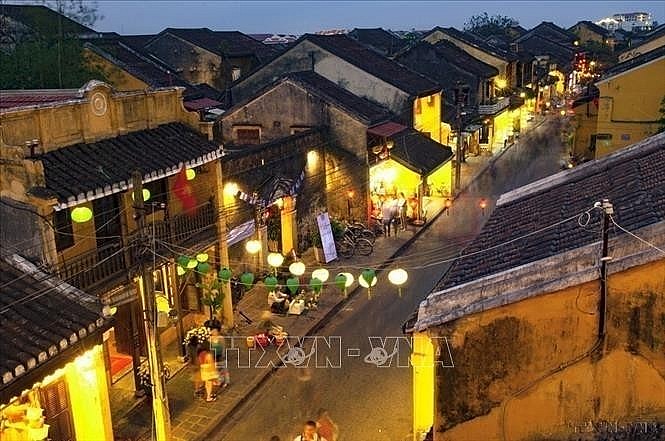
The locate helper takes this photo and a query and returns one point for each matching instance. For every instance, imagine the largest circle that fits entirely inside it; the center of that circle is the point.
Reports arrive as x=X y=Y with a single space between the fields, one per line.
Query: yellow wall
x=503 y=127
x=441 y=180
x=506 y=361
x=629 y=106
x=422 y=361
x=585 y=123
x=429 y=117
x=117 y=77
x=395 y=176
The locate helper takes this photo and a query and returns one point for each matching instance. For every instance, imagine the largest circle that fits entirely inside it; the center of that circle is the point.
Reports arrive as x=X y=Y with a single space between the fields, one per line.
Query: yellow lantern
x=321 y=273
x=253 y=246
x=202 y=257
x=297 y=268
x=191 y=174
x=192 y=263
x=398 y=277
x=180 y=270
x=146 y=195
x=81 y=214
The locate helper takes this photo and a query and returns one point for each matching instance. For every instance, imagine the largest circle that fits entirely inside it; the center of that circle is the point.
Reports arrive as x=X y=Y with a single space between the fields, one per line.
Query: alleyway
x=366 y=401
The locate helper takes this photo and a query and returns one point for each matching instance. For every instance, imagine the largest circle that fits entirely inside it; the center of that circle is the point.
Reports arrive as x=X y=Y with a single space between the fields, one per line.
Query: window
x=235 y=73
x=604 y=140
x=247 y=135
x=298 y=129
x=64 y=233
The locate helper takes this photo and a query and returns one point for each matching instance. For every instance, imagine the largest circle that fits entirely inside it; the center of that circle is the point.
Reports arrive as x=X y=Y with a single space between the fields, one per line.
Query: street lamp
x=483 y=205
x=447 y=204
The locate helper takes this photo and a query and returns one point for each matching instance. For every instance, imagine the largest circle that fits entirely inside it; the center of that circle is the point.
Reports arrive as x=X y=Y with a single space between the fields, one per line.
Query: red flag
x=183 y=191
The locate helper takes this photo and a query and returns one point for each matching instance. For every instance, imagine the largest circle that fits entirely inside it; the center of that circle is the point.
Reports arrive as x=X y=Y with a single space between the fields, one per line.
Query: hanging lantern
x=398 y=277
x=203 y=267
x=191 y=174
x=247 y=279
x=146 y=195
x=315 y=285
x=367 y=280
x=225 y=274
x=183 y=261
x=270 y=282
x=275 y=260
x=344 y=281
x=191 y=264
x=81 y=214
x=292 y=284
x=321 y=273
x=180 y=270
x=253 y=246
x=202 y=257
x=297 y=268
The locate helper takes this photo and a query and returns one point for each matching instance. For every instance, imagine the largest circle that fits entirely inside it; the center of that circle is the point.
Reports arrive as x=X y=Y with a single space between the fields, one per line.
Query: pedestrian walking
x=327 y=428
x=219 y=355
x=401 y=205
x=387 y=215
x=309 y=433
x=209 y=373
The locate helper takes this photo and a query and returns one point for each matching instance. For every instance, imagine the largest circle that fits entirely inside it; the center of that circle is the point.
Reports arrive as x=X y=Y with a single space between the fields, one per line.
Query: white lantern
x=253 y=246
x=321 y=273
x=349 y=279
x=275 y=260
x=398 y=277
x=297 y=268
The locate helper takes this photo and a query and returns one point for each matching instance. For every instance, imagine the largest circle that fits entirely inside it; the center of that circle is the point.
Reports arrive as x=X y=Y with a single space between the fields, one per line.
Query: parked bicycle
x=348 y=245
x=360 y=231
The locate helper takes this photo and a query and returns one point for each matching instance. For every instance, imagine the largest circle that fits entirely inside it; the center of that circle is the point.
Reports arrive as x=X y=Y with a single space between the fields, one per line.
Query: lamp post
x=349 y=196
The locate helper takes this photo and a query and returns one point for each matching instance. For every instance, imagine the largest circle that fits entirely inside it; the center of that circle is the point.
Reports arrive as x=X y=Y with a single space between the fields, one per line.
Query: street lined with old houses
x=454 y=233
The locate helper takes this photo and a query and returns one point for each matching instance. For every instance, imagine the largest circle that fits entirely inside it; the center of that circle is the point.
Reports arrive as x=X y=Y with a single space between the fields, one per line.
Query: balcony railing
x=109 y=266
x=491 y=109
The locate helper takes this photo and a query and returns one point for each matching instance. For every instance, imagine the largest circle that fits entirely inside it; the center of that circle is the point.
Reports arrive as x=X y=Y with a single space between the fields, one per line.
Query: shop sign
x=327 y=239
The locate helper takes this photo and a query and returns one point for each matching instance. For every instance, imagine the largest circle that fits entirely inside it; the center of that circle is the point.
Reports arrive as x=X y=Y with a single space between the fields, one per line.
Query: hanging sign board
x=327 y=239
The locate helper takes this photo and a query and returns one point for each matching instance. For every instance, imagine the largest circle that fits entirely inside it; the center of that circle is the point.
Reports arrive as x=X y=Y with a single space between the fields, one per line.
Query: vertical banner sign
x=327 y=239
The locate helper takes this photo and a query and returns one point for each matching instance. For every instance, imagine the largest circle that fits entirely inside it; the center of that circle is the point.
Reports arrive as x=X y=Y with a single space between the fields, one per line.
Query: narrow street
x=367 y=401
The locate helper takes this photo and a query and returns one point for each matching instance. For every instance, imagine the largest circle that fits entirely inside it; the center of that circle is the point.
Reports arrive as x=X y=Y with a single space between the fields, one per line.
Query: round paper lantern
x=349 y=279
x=191 y=174
x=203 y=267
x=146 y=195
x=275 y=260
x=180 y=270
x=247 y=279
x=367 y=280
x=398 y=277
x=340 y=281
x=253 y=246
x=183 y=261
x=270 y=282
x=192 y=263
x=225 y=274
x=315 y=285
x=297 y=268
x=321 y=273
x=81 y=214
x=202 y=257
x=292 y=284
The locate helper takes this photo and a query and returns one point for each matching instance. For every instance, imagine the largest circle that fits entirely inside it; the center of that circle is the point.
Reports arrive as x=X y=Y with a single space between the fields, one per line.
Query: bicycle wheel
x=368 y=234
x=344 y=249
x=364 y=247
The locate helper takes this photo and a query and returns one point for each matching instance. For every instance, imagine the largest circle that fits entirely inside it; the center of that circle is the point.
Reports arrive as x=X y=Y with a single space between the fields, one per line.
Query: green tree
x=602 y=53
x=85 y=12
x=661 y=120
x=486 y=25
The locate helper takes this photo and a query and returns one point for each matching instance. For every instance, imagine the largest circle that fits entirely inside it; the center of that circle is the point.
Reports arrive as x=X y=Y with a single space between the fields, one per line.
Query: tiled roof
x=201 y=104
x=553 y=32
x=138 y=63
x=225 y=43
x=386 y=129
x=11 y=99
x=377 y=65
x=44 y=21
x=42 y=321
x=88 y=171
x=369 y=111
x=633 y=63
x=379 y=39
x=460 y=58
x=633 y=179
x=592 y=27
x=474 y=40
x=137 y=41
x=535 y=45
x=419 y=152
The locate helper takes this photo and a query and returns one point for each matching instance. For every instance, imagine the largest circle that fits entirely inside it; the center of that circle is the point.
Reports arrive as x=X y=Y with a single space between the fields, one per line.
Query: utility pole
x=458 y=150
x=608 y=210
x=160 y=408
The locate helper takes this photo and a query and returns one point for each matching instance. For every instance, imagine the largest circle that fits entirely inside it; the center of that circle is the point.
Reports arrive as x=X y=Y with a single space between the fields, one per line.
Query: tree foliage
x=486 y=25
x=81 y=11
x=46 y=64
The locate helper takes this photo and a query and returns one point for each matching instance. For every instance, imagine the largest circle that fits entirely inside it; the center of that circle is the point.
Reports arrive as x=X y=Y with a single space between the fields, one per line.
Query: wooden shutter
x=57 y=410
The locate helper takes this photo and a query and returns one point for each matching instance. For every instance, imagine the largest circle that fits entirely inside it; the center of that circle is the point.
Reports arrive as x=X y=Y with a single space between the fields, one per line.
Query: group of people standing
x=393 y=213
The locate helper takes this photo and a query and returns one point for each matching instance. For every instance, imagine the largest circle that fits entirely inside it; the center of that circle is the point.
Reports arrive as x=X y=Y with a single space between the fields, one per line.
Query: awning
x=386 y=129
x=419 y=152
x=201 y=104
x=241 y=232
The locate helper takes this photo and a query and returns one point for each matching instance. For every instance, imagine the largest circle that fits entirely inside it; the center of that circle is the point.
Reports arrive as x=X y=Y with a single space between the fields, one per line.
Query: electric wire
x=636 y=236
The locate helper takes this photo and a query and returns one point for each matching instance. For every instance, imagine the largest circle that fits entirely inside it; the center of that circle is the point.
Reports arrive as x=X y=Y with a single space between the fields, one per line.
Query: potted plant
x=145 y=379
x=315 y=239
x=194 y=339
x=213 y=298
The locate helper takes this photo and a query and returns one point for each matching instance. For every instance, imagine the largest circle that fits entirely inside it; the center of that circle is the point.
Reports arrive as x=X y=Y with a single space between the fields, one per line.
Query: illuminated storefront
x=53 y=374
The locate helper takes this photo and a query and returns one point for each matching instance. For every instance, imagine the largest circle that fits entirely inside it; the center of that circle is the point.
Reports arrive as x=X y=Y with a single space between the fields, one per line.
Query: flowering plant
x=145 y=380
x=196 y=336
